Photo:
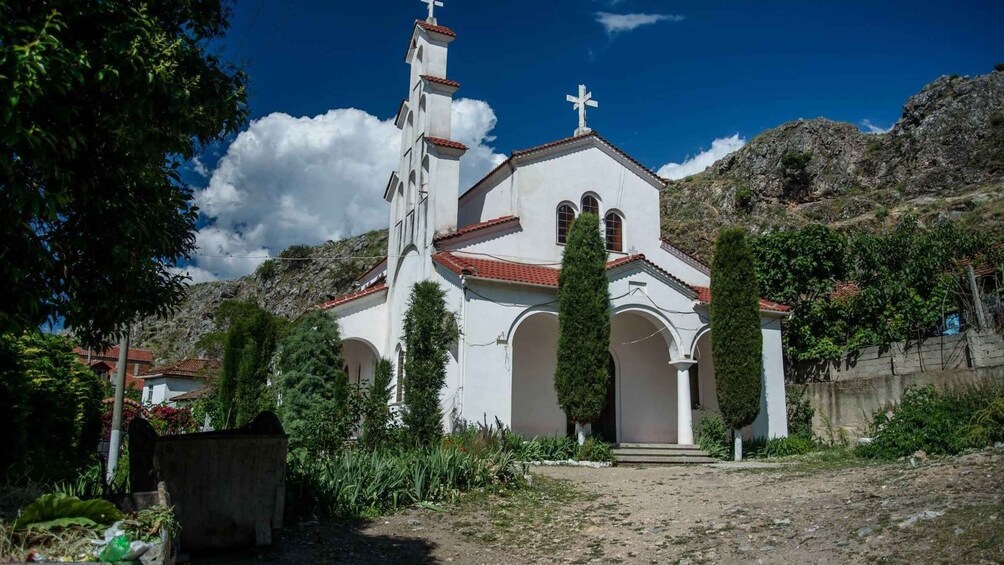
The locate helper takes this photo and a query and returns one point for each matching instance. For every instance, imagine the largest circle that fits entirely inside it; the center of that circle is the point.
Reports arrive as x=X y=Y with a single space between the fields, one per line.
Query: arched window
x=615 y=232
x=590 y=205
x=566 y=215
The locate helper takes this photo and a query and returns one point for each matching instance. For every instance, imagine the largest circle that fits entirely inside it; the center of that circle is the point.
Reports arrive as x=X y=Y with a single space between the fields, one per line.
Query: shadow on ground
x=329 y=542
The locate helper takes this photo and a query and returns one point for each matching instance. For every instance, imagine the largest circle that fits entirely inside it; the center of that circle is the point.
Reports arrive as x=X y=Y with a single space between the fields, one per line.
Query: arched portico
x=535 y=410
x=360 y=361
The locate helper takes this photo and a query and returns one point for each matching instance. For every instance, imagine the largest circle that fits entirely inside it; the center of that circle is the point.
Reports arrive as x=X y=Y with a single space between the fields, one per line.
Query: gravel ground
x=825 y=511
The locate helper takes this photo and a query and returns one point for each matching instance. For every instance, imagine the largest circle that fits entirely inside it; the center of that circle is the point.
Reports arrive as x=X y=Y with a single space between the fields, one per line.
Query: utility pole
x=115 y=440
x=981 y=316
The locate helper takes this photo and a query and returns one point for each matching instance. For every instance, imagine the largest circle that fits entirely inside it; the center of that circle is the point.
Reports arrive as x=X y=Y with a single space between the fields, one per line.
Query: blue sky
x=701 y=71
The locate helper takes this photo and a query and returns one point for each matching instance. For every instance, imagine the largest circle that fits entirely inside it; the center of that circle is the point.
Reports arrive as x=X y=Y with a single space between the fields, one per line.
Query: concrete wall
x=849 y=405
x=854 y=388
x=968 y=350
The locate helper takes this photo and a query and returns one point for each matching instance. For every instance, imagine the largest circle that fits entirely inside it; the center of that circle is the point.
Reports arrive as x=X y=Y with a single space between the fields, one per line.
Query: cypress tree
x=736 y=341
x=376 y=414
x=316 y=411
x=581 y=376
x=429 y=330
x=250 y=342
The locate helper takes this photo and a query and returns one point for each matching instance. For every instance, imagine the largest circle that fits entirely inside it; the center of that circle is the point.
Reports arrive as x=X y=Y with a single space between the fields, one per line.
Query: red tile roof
x=443 y=81
x=476 y=227
x=112 y=353
x=378 y=264
x=844 y=290
x=186 y=368
x=435 y=28
x=498 y=270
x=704 y=295
x=379 y=285
x=193 y=394
x=510 y=271
x=446 y=143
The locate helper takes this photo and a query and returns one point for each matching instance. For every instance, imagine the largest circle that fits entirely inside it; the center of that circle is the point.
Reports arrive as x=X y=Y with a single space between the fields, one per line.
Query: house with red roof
x=185 y=379
x=496 y=248
x=105 y=362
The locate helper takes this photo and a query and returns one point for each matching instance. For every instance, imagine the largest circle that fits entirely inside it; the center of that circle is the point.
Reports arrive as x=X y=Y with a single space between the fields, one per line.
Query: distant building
x=105 y=362
x=163 y=384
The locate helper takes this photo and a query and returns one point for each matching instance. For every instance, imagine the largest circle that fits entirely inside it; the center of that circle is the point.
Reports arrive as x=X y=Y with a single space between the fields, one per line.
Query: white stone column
x=684 y=412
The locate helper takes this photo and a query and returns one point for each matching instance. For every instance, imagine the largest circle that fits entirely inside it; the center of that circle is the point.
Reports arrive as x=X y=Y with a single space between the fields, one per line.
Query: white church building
x=496 y=248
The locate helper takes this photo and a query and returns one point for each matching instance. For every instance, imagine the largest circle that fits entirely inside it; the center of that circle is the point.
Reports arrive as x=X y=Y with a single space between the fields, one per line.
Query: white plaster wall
x=535 y=190
x=365 y=320
x=773 y=418
x=535 y=409
x=646 y=383
x=161 y=390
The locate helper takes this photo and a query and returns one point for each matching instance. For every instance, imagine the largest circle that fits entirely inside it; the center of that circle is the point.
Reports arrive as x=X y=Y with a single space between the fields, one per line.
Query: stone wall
x=845 y=394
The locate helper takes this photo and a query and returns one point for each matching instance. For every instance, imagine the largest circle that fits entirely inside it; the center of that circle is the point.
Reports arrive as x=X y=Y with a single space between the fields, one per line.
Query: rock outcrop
x=944 y=158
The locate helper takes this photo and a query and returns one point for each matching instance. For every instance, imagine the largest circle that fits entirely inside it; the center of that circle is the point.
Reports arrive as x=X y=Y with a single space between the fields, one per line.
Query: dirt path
x=949 y=510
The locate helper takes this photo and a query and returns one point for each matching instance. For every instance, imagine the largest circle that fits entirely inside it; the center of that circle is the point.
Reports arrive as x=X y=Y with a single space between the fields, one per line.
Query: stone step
x=665 y=446
x=695 y=452
x=664 y=460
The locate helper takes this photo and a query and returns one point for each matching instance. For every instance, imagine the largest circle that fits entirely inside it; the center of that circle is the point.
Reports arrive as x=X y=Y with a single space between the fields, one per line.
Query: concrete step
x=661 y=452
x=665 y=460
x=665 y=446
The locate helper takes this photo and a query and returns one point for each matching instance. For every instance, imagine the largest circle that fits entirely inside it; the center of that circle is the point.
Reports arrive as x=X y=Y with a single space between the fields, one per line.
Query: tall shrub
x=314 y=388
x=580 y=378
x=376 y=413
x=736 y=341
x=250 y=342
x=55 y=422
x=429 y=330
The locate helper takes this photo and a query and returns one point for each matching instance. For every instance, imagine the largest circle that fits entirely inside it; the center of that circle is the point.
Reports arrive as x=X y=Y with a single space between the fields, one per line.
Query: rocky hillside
x=286 y=288
x=944 y=158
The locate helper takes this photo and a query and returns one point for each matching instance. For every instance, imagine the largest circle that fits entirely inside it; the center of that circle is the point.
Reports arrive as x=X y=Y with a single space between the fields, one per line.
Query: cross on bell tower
x=433 y=4
x=580 y=103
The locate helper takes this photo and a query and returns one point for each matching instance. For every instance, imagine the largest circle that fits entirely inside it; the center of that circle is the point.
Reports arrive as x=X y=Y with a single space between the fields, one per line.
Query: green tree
x=736 y=341
x=429 y=331
x=241 y=392
x=376 y=414
x=102 y=102
x=52 y=404
x=581 y=375
x=316 y=408
x=800 y=268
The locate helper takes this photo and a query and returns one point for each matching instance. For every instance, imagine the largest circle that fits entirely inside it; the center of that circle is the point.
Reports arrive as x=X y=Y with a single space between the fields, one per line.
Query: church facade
x=496 y=248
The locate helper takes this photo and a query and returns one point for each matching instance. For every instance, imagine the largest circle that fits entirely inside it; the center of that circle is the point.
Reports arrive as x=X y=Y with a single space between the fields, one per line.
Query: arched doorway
x=360 y=361
x=646 y=384
x=535 y=410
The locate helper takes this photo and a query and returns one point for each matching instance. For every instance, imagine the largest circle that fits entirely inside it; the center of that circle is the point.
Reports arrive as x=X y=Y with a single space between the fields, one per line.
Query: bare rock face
x=944 y=159
x=286 y=288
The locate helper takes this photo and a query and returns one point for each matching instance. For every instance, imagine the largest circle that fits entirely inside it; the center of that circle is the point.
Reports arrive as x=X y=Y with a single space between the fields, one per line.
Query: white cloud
x=288 y=180
x=196 y=274
x=199 y=167
x=871 y=128
x=719 y=148
x=617 y=23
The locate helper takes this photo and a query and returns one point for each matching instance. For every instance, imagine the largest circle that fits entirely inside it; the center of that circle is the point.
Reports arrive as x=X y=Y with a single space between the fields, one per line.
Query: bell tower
x=423 y=193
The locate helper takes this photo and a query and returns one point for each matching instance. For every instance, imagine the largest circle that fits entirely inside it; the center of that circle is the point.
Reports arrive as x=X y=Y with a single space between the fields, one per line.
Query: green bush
x=712 y=436
x=295 y=257
x=938 y=422
x=267 y=270
x=594 y=449
x=800 y=413
x=786 y=447
x=357 y=483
